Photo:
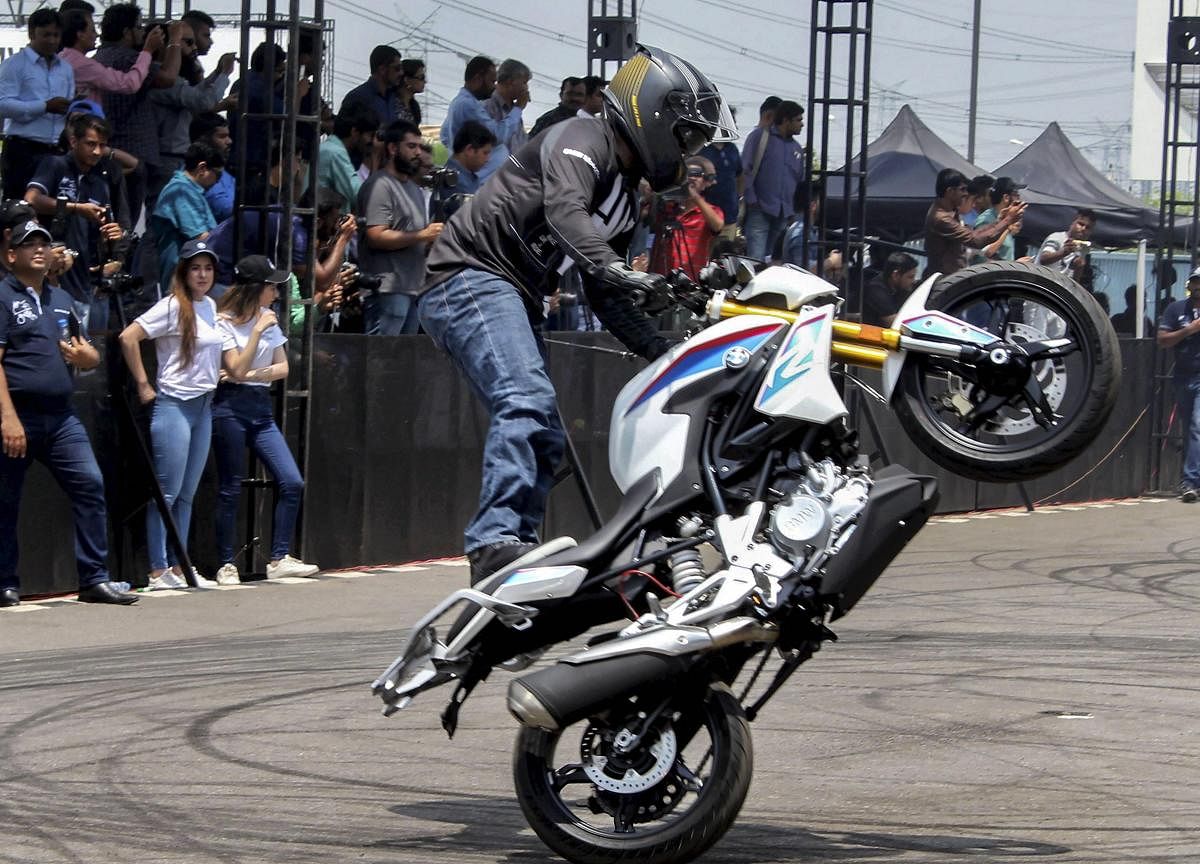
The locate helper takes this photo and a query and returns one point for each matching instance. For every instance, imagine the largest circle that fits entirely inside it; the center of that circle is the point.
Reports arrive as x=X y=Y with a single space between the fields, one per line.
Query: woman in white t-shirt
x=183 y=325
x=254 y=354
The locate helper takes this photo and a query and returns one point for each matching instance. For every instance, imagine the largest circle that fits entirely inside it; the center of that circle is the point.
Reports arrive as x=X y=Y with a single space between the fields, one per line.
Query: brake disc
x=626 y=775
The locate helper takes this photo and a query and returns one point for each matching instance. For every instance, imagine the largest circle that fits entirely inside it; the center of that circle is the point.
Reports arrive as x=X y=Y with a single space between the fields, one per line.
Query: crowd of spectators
x=121 y=190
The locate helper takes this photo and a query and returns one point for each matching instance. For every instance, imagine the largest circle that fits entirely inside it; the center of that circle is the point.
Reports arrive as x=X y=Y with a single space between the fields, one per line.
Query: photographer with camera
x=1067 y=251
x=398 y=232
x=688 y=226
x=75 y=193
x=338 y=281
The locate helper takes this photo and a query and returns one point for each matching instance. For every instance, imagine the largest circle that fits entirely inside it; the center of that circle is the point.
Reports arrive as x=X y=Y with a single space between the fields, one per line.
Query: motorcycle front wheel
x=1013 y=425
x=634 y=785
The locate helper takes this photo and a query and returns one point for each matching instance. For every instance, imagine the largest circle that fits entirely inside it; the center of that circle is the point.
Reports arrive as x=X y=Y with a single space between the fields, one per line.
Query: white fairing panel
x=798 y=383
x=643 y=436
x=797 y=286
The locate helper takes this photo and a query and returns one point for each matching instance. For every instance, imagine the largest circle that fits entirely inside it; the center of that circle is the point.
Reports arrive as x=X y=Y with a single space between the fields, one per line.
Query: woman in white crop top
x=183 y=325
x=254 y=354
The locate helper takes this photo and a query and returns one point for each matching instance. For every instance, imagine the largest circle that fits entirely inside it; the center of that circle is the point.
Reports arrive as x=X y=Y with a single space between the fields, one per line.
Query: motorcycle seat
x=602 y=546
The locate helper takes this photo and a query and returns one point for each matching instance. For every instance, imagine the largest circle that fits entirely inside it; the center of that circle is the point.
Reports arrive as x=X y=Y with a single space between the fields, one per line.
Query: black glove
x=648 y=291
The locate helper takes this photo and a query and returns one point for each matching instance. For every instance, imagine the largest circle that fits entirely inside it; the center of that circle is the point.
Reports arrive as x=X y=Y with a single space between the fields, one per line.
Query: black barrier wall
x=396 y=450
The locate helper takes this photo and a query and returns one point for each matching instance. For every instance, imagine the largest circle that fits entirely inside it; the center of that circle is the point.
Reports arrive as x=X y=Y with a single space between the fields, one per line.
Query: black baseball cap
x=192 y=248
x=15 y=212
x=27 y=229
x=259 y=268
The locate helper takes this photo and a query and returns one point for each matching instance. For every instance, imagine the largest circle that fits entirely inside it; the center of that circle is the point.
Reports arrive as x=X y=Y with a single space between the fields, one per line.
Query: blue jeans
x=762 y=232
x=57 y=440
x=242 y=416
x=180 y=432
x=389 y=314
x=480 y=320
x=1186 y=391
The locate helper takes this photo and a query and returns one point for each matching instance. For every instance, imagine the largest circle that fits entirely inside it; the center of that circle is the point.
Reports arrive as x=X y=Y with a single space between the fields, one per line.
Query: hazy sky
x=1067 y=60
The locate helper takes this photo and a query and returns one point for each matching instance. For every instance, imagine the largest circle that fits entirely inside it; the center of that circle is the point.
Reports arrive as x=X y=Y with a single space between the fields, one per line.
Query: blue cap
x=85 y=106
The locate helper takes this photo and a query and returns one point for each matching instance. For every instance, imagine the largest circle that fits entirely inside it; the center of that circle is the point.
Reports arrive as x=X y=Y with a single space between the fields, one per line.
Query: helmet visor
x=707 y=110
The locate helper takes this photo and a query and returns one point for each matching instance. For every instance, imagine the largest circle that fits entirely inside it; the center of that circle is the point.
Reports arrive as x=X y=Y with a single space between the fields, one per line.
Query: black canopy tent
x=902 y=167
x=1060 y=180
x=904 y=161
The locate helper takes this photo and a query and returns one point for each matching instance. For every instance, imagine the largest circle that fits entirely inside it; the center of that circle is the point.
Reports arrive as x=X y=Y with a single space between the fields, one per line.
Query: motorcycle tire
x=935 y=394
x=590 y=834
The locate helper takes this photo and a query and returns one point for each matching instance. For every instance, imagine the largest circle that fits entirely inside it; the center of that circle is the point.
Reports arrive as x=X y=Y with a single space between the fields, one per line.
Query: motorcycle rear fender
x=916 y=320
x=899 y=504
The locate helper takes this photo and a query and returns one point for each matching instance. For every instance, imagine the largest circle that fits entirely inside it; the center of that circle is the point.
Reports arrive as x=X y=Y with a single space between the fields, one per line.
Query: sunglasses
x=701 y=174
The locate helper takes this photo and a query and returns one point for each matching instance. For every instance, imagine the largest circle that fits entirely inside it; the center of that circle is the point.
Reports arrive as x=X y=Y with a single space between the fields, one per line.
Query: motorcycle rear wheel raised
x=666 y=801
x=985 y=426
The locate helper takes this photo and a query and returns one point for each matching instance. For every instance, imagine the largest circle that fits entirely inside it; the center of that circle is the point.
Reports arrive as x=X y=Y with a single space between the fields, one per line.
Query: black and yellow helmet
x=666 y=110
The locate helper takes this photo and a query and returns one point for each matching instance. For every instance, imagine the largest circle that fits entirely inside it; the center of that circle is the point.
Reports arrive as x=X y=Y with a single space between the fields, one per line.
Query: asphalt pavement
x=1015 y=688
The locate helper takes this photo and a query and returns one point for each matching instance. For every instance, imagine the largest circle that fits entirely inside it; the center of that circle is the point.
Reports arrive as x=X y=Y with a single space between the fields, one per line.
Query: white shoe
x=228 y=575
x=168 y=581
x=289 y=566
x=201 y=581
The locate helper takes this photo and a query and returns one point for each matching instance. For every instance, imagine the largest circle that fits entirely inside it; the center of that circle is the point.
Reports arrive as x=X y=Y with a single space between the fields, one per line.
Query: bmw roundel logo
x=736 y=357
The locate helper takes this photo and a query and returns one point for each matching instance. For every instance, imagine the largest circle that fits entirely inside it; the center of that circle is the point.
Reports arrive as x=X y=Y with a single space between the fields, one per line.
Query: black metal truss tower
x=1179 y=208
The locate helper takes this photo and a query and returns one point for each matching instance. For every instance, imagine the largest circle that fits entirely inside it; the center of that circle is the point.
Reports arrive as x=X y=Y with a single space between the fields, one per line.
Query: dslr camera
x=119 y=283
x=353 y=278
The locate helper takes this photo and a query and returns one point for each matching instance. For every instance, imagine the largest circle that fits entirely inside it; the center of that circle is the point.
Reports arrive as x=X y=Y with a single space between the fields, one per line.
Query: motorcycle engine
x=819 y=513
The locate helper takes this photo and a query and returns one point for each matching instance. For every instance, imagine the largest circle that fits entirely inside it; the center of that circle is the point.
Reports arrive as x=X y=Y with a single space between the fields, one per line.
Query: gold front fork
x=857 y=344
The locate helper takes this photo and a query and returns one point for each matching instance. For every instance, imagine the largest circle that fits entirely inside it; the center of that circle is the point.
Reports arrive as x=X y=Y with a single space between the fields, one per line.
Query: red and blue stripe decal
x=706 y=357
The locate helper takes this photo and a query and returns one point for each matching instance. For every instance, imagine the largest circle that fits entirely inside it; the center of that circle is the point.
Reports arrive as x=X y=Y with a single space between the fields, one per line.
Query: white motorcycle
x=749 y=522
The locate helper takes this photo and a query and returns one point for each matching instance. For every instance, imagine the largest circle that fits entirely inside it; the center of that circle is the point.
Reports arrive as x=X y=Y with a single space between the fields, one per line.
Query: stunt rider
x=567 y=198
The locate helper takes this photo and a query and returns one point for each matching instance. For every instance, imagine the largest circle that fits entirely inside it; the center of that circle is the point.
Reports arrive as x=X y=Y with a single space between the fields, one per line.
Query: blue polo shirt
x=30 y=328
x=60 y=176
x=1187 y=351
x=728 y=162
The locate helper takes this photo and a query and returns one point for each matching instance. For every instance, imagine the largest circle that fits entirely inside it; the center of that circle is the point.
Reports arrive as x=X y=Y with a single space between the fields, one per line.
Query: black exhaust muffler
x=565 y=693
x=579 y=686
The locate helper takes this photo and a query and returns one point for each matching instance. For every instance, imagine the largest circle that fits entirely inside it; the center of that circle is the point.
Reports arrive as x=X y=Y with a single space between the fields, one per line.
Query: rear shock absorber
x=687 y=570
